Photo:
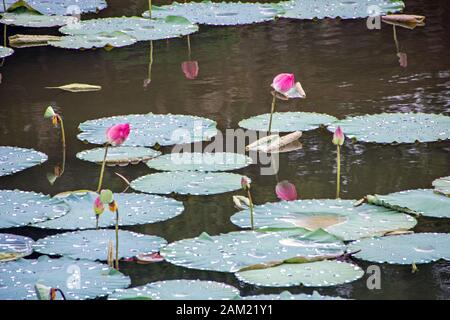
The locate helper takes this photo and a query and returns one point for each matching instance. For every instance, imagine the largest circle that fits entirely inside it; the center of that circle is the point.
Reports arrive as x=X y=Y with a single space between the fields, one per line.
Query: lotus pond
x=363 y=182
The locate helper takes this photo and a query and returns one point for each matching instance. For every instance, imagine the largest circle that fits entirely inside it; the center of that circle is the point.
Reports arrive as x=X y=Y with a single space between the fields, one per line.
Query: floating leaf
x=288 y=121
x=338 y=217
x=90 y=41
x=119 y=155
x=138 y=28
x=219 y=14
x=219 y=161
x=78 y=87
x=78 y=280
x=35 y=20
x=5 y=52
x=442 y=185
x=286 y=295
x=134 y=209
x=234 y=251
x=30 y=40
x=187 y=182
x=93 y=244
x=13 y=247
x=311 y=9
x=418 y=202
x=314 y=274
x=14 y=159
x=178 y=290
x=404 y=249
x=58 y=7
x=21 y=208
x=396 y=127
x=150 y=129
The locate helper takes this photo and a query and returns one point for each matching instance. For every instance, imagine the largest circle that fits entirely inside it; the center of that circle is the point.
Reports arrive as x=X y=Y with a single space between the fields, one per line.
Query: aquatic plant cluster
x=290 y=243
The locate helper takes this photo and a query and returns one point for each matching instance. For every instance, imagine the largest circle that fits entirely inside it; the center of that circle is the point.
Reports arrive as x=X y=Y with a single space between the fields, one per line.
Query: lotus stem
x=395 y=38
x=63 y=133
x=150 y=63
x=117 y=239
x=97 y=217
x=272 y=110
x=189 y=46
x=338 y=175
x=100 y=180
x=62 y=293
x=249 y=194
x=150 y=8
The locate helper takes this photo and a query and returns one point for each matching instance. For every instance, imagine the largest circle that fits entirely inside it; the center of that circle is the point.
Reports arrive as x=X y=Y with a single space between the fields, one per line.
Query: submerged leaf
x=78 y=87
x=29 y=40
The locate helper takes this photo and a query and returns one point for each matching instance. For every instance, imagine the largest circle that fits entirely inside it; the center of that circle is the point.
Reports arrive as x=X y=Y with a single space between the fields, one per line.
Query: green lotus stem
x=272 y=110
x=117 y=239
x=150 y=8
x=395 y=38
x=249 y=194
x=100 y=180
x=338 y=175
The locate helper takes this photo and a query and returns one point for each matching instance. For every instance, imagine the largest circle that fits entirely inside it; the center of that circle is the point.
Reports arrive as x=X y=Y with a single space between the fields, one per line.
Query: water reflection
x=190 y=68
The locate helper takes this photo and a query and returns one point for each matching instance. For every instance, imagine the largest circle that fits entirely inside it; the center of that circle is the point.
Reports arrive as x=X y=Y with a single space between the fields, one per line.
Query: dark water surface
x=345 y=69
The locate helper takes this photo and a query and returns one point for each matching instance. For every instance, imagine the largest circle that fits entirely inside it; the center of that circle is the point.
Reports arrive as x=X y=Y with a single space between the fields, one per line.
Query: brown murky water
x=345 y=69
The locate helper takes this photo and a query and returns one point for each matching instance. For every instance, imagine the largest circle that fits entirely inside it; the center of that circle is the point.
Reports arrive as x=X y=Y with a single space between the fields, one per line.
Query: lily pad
x=187 y=182
x=219 y=14
x=286 y=295
x=404 y=249
x=93 y=244
x=418 y=202
x=59 y=7
x=150 y=129
x=121 y=156
x=396 y=127
x=35 y=20
x=21 y=208
x=178 y=290
x=234 y=251
x=134 y=209
x=338 y=217
x=442 y=186
x=78 y=280
x=288 y=121
x=138 y=28
x=5 y=52
x=14 y=159
x=314 y=274
x=311 y=9
x=219 y=161
x=13 y=247
x=90 y=41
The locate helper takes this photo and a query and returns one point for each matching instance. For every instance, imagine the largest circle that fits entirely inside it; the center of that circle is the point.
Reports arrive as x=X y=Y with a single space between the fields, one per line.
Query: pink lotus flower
x=338 y=137
x=286 y=191
x=283 y=82
x=98 y=206
x=117 y=134
x=245 y=183
x=190 y=69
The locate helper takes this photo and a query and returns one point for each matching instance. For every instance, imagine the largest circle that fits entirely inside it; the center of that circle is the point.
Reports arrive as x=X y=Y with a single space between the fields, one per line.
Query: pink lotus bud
x=116 y=135
x=338 y=137
x=286 y=191
x=245 y=183
x=98 y=206
x=283 y=82
x=190 y=69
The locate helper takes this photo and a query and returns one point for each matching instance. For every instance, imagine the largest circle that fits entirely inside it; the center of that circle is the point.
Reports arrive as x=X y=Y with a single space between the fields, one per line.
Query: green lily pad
x=288 y=121
x=311 y=9
x=286 y=295
x=35 y=20
x=93 y=244
x=60 y=7
x=188 y=182
x=78 y=280
x=219 y=161
x=338 y=217
x=21 y=208
x=121 y=156
x=314 y=274
x=219 y=14
x=13 y=247
x=442 y=186
x=404 y=249
x=13 y=159
x=234 y=251
x=90 y=41
x=134 y=209
x=396 y=127
x=150 y=129
x=138 y=28
x=5 y=52
x=419 y=202
x=178 y=290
